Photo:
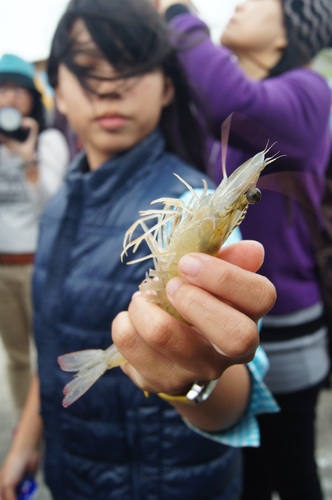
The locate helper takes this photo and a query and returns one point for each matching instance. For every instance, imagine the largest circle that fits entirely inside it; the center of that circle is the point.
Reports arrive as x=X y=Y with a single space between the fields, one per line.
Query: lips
x=112 y=122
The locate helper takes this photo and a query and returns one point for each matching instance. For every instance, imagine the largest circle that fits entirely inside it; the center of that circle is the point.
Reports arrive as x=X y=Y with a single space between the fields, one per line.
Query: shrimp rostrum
x=202 y=225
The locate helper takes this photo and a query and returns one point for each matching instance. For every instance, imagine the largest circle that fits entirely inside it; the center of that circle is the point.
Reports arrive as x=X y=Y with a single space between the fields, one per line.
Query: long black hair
x=38 y=111
x=135 y=39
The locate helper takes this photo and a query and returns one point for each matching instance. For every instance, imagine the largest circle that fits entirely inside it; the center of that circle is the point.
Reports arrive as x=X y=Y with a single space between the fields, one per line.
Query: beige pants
x=16 y=328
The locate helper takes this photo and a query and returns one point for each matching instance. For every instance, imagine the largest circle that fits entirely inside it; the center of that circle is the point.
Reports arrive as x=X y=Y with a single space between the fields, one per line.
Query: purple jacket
x=292 y=109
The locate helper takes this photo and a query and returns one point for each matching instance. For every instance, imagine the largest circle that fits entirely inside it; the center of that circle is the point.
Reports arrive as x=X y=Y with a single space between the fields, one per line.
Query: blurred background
x=26 y=27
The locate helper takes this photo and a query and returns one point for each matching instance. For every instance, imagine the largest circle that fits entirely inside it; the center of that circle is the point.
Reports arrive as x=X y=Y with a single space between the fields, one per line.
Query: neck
x=256 y=67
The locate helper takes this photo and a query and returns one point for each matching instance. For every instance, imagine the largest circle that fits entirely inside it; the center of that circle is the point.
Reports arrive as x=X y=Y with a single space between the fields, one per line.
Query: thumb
x=247 y=254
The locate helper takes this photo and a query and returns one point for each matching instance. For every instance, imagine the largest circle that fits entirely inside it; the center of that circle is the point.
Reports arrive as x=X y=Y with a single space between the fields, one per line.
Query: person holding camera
x=33 y=161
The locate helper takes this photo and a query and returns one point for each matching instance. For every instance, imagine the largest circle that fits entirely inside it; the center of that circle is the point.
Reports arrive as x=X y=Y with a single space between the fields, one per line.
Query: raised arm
x=280 y=106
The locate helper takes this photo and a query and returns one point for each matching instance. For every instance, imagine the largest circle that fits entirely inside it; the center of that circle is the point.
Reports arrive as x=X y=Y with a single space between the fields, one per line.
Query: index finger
x=250 y=293
x=247 y=254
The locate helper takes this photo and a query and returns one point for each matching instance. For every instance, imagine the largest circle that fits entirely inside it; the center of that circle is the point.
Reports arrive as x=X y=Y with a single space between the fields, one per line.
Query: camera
x=10 y=124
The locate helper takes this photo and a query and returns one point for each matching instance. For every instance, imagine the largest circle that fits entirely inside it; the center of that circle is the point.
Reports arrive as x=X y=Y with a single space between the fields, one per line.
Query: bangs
x=130 y=46
x=134 y=40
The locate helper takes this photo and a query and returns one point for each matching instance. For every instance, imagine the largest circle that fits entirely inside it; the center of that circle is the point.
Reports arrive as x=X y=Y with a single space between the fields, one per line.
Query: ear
x=60 y=102
x=169 y=91
x=281 y=42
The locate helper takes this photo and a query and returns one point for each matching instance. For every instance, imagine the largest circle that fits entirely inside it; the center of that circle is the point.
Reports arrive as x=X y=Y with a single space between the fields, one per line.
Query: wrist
x=176 y=10
x=197 y=393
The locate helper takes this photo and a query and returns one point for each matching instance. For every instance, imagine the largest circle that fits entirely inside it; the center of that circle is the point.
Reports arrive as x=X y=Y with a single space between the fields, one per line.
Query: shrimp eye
x=253 y=195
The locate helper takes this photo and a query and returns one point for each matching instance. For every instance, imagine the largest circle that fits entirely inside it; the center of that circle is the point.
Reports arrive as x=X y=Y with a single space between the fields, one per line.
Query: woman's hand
x=221 y=298
x=16 y=466
x=24 y=454
x=25 y=149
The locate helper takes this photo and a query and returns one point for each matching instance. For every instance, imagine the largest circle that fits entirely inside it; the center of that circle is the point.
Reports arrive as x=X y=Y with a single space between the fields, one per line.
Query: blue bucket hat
x=17 y=70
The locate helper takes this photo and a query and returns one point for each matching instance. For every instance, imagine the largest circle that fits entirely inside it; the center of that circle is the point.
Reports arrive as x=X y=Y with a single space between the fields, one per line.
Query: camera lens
x=10 y=119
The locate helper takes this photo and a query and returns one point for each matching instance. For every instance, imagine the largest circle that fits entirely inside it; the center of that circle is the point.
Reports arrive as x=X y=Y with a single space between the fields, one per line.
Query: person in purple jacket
x=261 y=74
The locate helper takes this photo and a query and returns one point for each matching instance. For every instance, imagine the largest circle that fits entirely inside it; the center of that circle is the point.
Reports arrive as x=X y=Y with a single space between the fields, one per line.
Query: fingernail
x=173 y=285
x=189 y=266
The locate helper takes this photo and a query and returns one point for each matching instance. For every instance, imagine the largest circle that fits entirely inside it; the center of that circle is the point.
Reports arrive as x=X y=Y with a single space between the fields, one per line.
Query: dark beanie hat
x=309 y=26
x=17 y=70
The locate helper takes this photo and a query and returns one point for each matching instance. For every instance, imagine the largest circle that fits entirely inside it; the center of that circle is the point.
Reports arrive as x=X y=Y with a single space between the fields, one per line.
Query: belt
x=19 y=259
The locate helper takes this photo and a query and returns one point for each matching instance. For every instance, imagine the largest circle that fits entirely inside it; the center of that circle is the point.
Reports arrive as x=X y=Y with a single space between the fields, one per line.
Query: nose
x=109 y=89
x=114 y=96
x=239 y=6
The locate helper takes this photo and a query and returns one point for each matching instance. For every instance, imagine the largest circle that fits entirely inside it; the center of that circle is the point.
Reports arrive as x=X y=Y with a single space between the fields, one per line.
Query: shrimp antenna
x=225 y=128
x=276 y=155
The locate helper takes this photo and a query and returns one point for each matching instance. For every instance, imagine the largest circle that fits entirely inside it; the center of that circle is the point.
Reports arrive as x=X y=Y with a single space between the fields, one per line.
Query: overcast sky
x=27 y=26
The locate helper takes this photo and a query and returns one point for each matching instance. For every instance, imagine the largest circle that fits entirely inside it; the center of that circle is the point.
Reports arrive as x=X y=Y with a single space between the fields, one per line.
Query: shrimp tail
x=90 y=365
x=81 y=383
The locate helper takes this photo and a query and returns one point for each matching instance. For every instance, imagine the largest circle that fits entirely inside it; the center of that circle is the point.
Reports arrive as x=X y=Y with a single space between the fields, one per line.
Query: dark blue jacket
x=113 y=443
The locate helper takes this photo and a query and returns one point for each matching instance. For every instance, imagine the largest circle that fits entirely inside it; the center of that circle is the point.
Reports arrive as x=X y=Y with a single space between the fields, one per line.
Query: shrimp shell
x=202 y=225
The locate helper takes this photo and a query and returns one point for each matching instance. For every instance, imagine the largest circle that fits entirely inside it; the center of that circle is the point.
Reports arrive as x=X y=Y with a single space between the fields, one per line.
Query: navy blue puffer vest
x=113 y=443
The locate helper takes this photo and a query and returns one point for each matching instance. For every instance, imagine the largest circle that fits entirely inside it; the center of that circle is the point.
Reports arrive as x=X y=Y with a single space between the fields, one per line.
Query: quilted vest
x=113 y=443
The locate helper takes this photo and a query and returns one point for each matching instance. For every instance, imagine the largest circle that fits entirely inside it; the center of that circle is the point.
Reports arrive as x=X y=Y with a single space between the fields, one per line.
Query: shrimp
x=202 y=225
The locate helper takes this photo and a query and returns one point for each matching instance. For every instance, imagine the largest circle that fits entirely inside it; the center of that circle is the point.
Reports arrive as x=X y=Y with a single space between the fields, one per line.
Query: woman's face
x=16 y=96
x=118 y=114
x=256 y=25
